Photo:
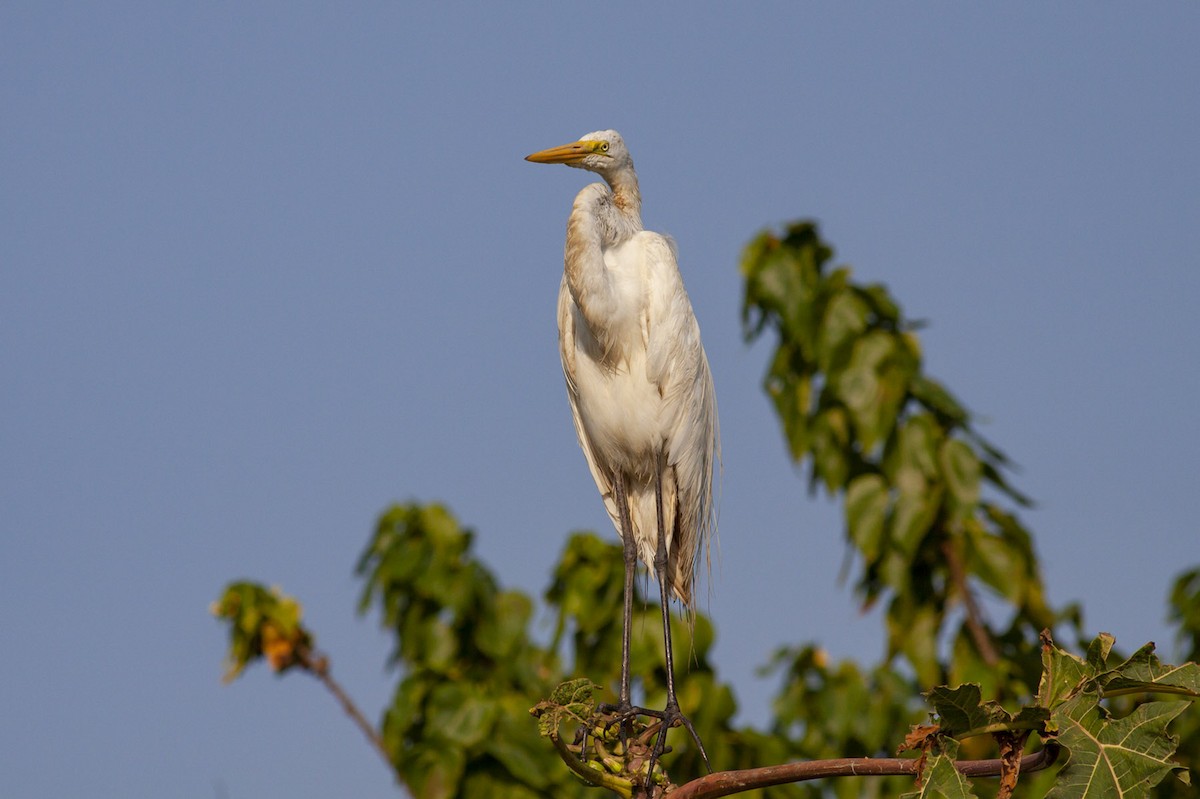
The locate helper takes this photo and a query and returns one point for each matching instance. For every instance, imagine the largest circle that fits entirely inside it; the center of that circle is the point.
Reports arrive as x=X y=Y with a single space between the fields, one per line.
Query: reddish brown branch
x=975 y=624
x=318 y=665
x=727 y=783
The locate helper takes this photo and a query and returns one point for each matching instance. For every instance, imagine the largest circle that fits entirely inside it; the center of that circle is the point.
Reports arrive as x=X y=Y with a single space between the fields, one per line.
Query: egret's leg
x=630 y=552
x=671 y=714
x=624 y=708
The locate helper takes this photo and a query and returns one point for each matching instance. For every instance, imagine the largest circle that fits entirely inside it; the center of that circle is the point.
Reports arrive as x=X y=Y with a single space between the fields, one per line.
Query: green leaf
x=408 y=702
x=882 y=303
x=1000 y=561
x=861 y=387
x=912 y=515
x=572 y=701
x=1063 y=674
x=575 y=692
x=479 y=783
x=1185 y=611
x=433 y=770
x=912 y=629
x=781 y=283
x=962 y=709
x=831 y=435
x=934 y=396
x=845 y=319
x=1143 y=672
x=866 y=512
x=942 y=781
x=461 y=713
x=992 y=474
x=790 y=389
x=431 y=640
x=502 y=629
x=914 y=458
x=1111 y=759
x=962 y=712
x=519 y=749
x=1098 y=651
x=962 y=470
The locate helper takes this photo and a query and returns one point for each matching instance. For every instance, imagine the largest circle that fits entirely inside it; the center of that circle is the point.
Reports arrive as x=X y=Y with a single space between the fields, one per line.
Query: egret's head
x=602 y=152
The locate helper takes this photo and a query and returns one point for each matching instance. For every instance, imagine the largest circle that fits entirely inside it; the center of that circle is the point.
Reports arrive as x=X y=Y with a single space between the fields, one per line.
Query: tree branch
x=727 y=783
x=978 y=628
x=317 y=664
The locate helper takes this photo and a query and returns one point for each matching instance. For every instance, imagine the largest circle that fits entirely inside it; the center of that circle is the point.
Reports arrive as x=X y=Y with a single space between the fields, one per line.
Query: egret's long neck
x=601 y=219
x=627 y=197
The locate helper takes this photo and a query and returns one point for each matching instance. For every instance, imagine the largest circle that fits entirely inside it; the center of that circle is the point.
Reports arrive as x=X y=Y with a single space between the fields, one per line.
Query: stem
x=621 y=787
x=999 y=727
x=975 y=623
x=1150 y=688
x=318 y=665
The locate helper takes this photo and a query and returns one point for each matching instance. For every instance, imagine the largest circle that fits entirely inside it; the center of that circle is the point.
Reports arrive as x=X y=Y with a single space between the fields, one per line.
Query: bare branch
x=317 y=664
x=727 y=783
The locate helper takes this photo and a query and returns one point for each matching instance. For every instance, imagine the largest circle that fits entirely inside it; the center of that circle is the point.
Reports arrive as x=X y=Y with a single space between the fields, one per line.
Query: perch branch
x=727 y=783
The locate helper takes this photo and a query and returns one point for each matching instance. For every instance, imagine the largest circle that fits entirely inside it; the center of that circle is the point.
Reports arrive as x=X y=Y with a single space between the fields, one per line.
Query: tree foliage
x=923 y=491
x=934 y=521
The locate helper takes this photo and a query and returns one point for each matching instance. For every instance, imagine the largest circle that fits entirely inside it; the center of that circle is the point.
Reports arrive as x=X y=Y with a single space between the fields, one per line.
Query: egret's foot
x=622 y=713
x=625 y=714
x=672 y=716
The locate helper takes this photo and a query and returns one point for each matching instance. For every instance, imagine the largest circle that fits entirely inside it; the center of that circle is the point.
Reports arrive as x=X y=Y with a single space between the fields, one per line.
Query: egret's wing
x=676 y=362
x=566 y=347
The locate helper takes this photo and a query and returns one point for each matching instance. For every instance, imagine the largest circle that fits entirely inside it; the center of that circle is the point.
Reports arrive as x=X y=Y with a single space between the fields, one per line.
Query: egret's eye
x=603 y=146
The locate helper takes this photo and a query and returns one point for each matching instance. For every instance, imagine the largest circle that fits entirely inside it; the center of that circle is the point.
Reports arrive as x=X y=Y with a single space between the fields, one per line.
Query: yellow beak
x=566 y=153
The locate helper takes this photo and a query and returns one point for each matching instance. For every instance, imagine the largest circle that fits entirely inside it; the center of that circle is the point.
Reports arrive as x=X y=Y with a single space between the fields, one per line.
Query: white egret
x=640 y=389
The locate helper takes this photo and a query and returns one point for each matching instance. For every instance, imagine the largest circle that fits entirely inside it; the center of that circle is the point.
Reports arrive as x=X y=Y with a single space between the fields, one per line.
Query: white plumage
x=638 y=380
x=640 y=391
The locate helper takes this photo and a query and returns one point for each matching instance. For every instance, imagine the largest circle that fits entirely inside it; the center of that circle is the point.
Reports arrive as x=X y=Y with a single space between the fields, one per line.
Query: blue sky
x=267 y=268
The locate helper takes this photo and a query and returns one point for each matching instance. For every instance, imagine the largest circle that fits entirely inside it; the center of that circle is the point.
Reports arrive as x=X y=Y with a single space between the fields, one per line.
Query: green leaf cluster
x=839 y=709
x=923 y=491
x=459 y=722
x=263 y=623
x=929 y=506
